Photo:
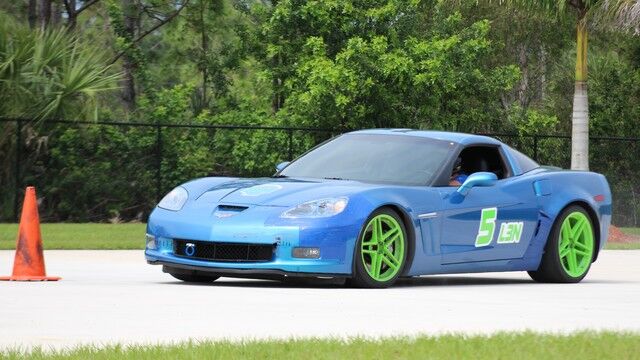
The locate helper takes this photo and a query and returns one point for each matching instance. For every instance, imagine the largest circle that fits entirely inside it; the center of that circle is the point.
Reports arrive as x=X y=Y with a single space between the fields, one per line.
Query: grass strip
x=89 y=236
x=631 y=231
x=520 y=345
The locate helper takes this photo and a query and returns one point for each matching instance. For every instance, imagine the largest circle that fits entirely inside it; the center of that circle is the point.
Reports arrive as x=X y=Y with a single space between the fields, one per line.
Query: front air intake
x=223 y=252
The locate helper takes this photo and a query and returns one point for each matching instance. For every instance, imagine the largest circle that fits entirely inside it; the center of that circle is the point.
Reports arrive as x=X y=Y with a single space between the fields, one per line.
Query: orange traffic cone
x=29 y=261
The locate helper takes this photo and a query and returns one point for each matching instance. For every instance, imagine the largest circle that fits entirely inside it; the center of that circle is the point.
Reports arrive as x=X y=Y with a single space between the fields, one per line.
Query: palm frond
x=46 y=74
x=618 y=14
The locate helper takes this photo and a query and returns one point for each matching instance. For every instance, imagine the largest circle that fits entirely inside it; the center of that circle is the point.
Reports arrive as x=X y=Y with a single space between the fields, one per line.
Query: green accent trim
x=487 y=226
x=576 y=245
x=382 y=247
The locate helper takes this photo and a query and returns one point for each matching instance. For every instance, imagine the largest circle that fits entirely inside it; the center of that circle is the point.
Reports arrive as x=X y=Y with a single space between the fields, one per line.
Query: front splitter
x=268 y=274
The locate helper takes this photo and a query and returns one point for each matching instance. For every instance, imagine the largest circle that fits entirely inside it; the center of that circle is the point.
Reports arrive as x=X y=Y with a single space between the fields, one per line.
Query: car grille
x=232 y=252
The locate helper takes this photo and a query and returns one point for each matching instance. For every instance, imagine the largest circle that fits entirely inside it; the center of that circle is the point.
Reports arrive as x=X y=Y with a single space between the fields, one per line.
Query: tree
x=203 y=16
x=285 y=26
x=45 y=74
x=436 y=80
x=129 y=25
x=613 y=13
x=383 y=63
x=49 y=74
x=73 y=11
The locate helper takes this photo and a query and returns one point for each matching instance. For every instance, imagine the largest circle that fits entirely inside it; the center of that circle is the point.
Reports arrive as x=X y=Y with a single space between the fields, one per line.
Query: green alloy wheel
x=570 y=248
x=575 y=247
x=381 y=250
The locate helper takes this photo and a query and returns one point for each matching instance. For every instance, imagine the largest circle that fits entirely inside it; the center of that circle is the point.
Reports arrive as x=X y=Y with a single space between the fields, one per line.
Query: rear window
x=524 y=162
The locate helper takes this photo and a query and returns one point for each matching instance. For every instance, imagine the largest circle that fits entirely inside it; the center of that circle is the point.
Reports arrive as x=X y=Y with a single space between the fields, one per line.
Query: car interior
x=483 y=158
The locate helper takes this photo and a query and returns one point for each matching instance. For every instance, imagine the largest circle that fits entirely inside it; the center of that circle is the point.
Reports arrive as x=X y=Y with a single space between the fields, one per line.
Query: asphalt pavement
x=108 y=297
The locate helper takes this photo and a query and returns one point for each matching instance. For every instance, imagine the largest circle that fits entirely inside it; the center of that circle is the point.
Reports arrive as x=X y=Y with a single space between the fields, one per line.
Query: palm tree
x=49 y=74
x=45 y=74
x=620 y=14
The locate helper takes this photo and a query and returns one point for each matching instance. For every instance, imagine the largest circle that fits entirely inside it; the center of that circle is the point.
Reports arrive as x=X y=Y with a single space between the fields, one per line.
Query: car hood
x=274 y=191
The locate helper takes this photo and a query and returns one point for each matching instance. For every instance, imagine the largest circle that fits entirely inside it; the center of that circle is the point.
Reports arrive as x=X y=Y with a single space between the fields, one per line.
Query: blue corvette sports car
x=375 y=205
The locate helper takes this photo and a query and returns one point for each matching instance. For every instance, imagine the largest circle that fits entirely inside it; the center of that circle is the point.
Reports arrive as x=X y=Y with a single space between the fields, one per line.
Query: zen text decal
x=510 y=232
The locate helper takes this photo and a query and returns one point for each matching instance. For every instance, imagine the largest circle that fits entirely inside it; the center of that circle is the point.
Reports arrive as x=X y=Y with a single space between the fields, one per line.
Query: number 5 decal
x=487 y=226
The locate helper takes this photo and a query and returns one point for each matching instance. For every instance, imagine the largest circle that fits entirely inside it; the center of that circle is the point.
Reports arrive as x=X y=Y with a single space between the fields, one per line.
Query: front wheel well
x=411 y=234
x=594 y=220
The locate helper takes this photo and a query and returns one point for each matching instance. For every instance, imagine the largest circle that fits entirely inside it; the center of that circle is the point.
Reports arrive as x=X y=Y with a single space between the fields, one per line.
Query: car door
x=489 y=223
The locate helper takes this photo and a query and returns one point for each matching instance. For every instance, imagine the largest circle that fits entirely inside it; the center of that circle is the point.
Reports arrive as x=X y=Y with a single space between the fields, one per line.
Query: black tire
x=551 y=269
x=360 y=277
x=194 y=278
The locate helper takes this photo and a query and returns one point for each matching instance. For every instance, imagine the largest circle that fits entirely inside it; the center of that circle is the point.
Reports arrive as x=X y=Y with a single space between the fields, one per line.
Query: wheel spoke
x=373 y=256
x=581 y=246
x=581 y=252
x=577 y=229
x=389 y=262
x=564 y=252
x=369 y=243
x=390 y=240
x=389 y=234
x=390 y=256
x=572 y=261
x=369 y=252
x=376 y=264
x=377 y=226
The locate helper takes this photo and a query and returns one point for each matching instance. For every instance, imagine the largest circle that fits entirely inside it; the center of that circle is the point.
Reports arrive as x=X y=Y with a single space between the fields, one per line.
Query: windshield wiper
x=279 y=176
x=334 y=178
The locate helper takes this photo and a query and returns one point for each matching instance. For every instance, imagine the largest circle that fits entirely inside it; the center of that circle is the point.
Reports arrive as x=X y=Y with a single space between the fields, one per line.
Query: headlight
x=317 y=208
x=175 y=199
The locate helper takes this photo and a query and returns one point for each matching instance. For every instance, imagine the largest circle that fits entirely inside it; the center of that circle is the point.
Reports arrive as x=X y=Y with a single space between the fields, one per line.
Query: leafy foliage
x=434 y=82
x=49 y=74
x=335 y=65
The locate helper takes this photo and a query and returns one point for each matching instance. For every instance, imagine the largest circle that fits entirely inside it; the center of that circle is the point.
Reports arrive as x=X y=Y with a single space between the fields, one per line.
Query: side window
x=524 y=162
x=483 y=158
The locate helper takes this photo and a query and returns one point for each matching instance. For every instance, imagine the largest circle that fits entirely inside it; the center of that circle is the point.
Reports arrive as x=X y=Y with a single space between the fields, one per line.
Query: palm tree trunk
x=580 y=116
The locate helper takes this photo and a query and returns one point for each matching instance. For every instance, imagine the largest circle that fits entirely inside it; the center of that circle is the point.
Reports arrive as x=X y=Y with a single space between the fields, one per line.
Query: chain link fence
x=113 y=171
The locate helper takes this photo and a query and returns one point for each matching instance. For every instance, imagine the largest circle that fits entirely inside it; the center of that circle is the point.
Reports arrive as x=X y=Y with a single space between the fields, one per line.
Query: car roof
x=460 y=138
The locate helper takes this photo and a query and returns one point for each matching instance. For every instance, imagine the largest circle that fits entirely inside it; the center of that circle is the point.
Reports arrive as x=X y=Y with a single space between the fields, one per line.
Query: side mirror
x=282 y=165
x=477 y=179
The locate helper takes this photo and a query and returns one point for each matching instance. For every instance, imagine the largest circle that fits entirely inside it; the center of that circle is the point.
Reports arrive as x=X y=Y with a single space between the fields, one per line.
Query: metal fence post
x=158 y=162
x=535 y=148
x=18 y=182
x=290 y=145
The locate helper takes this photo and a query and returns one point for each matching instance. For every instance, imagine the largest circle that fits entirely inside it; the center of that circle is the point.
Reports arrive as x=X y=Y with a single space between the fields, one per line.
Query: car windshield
x=393 y=159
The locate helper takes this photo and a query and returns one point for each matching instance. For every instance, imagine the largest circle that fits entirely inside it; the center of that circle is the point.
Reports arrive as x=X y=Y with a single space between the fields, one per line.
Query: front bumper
x=335 y=237
x=283 y=266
